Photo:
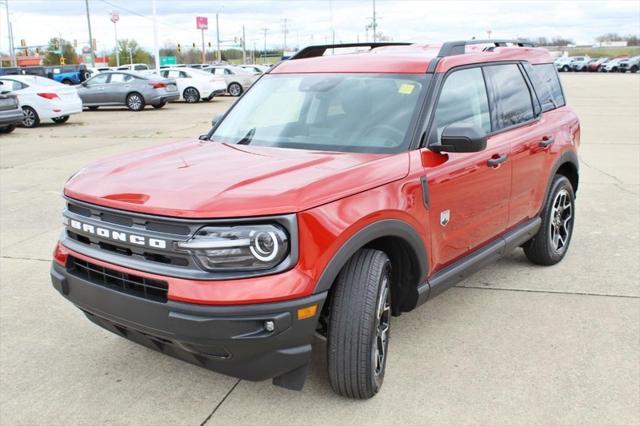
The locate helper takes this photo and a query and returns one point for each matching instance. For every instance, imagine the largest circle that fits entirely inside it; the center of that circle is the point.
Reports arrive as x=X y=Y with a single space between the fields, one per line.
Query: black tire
x=135 y=101
x=158 y=106
x=634 y=69
x=566 y=68
x=207 y=99
x=67 y=82
x=8 y=129
x=31 y=118
x=93 y=108
x=361 y=292
x=234 y=89
x=558 y=217
x=191 y=95
x=60 y=120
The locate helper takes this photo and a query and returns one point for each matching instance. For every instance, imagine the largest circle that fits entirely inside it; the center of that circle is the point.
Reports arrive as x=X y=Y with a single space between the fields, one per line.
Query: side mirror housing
x=461 y=137
x=216 y=119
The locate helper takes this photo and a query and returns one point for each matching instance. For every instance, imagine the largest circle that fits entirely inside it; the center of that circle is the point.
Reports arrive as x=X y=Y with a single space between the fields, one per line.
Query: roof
x=409 y=59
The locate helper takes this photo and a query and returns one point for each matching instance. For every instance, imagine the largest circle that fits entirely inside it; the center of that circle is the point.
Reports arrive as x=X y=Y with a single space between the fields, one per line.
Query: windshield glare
x=331 y=112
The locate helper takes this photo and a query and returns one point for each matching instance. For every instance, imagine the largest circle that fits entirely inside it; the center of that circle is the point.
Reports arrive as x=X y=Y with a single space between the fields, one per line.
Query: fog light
x=269 y=326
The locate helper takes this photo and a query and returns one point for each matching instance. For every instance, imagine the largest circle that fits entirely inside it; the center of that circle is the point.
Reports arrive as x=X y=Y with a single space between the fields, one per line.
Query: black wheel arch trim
x=384 y=228
x=570 y=157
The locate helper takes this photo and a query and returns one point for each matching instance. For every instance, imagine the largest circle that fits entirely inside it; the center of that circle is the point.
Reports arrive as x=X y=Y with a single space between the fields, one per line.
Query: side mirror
x=216 y=119
x=461 y=137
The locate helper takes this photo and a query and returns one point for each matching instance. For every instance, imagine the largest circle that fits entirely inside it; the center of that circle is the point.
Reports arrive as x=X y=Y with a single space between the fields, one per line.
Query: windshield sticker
x=406 y=89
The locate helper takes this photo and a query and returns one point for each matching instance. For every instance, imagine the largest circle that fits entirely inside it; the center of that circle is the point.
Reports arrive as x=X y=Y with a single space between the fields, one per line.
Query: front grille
x=134 y=285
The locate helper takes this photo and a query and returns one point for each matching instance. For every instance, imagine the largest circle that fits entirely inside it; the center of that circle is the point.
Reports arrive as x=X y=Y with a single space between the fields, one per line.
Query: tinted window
x=140 y=67
x=184 y=75
x=228 y=71
x=548 y=88
x=11 y=85
x=510 y=95
x=463 y=99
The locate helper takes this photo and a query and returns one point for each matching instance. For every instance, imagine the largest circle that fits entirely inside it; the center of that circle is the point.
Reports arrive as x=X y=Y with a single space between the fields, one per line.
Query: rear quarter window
x=511 y=100
x=547 y=84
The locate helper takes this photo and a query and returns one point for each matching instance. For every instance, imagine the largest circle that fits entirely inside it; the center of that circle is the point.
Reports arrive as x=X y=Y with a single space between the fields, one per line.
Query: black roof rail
x=451 y=48
x=319 y=50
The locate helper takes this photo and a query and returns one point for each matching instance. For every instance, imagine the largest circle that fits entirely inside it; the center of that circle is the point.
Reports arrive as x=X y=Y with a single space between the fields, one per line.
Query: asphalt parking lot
x=513 y=344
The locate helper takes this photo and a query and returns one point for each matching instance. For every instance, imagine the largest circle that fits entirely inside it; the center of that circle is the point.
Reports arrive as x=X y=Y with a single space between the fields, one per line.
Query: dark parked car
x=127 y=88
x=10 y=112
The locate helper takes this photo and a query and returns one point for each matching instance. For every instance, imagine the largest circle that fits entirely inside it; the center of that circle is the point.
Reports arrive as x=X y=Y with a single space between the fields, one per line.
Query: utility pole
x=93 y=54
x=218 y=39
x=284 y=35
x=204 y=52
x=10 y=34
x=244 y=47
x=156 y=47
x=264 y=52
x=375 y=24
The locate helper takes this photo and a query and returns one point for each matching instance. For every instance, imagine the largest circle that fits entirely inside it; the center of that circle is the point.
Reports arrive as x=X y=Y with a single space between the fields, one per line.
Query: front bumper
x=232 y=340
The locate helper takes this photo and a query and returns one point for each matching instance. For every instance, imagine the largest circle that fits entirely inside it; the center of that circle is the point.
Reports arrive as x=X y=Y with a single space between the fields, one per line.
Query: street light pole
x=264 y=52
x=10 y=33
x=156 y=47
x=93 y=56
x=218 y=39
x=114 y=18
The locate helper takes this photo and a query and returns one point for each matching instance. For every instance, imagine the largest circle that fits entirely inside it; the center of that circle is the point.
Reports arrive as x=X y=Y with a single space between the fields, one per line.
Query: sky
x=314 y=21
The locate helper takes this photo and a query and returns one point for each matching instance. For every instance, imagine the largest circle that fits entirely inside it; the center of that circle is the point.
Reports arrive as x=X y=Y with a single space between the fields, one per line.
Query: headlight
x=245 y=247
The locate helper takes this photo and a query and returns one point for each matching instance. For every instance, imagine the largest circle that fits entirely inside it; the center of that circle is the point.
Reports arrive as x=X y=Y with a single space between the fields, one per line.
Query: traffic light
x=178 y=49
x=62 y=60
x=38 y=50
x=209 y=44
x=194 y=45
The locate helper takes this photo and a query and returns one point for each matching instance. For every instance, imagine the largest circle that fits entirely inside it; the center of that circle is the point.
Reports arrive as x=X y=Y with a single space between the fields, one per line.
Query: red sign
x=202 y=22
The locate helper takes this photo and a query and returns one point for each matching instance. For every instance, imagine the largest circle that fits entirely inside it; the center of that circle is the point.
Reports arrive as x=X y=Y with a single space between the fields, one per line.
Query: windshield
x=331 y=112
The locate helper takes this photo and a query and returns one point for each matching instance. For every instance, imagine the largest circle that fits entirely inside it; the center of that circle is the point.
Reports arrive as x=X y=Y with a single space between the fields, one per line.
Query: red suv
x=339 y=191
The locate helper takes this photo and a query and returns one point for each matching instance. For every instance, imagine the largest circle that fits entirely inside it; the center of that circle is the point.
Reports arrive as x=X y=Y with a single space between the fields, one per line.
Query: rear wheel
x=60 y=120
x=551 y=243
x=135 y=102
x=31 y=118
x=359 y=319
x=160 y=105
x=234 y=89
x=634 y=69
x=566 y=68
x=8 y=129
x=191 y=95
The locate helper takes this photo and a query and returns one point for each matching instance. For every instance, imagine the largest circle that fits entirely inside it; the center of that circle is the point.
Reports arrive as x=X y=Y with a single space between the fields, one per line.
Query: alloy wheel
x=29 y=119
x=383 y=318
x=135 y=103
x=235 y=89
x=191 y=95
x=561 y=221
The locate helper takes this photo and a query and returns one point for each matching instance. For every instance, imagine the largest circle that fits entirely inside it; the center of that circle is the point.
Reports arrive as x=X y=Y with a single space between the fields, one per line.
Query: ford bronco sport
x=339 y=191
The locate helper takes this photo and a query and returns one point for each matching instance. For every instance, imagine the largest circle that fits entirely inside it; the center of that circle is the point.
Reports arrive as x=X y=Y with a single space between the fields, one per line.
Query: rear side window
x=463 y=99
x=547 y=84
x=511 y=99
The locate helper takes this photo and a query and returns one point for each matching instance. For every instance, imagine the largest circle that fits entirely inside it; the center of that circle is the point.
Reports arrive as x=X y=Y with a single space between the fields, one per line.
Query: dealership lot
x=513 y=344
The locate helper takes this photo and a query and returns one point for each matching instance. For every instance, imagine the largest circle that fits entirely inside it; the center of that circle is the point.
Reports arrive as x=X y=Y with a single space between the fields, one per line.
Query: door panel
x=469 y=197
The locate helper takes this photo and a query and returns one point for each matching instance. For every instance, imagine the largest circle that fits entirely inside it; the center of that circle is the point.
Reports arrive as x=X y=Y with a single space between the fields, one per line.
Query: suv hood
x=196 y=179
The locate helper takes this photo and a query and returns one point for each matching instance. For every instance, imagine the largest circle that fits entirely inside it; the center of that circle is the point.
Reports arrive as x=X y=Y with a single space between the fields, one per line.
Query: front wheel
x=359 y=319
x=7 y=129
x=31 y=118
x=135 y=102
x=60 y=120
x=160 y=105
x=566 y=68
x=551 y=243
x=634 y=69
x=234 y=89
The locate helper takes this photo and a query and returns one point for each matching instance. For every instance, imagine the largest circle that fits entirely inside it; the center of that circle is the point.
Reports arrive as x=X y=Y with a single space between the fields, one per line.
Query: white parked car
x=195 y=85
x=255 y=68
x=132 y=67
x=613 y=65
x=42 y=98
x=238 y=80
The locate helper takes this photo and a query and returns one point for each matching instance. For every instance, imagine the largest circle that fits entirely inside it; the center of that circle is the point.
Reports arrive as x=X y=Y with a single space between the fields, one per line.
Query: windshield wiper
x=246 y=140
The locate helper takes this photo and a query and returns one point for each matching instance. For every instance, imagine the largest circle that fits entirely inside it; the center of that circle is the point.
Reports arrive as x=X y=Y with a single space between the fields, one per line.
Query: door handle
x=497 y=160
x=546 y=141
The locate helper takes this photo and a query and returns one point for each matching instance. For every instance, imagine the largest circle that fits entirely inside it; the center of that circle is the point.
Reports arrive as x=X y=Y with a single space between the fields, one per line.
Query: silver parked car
x=238 y=80
x=127 y=88
x=632 y=64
